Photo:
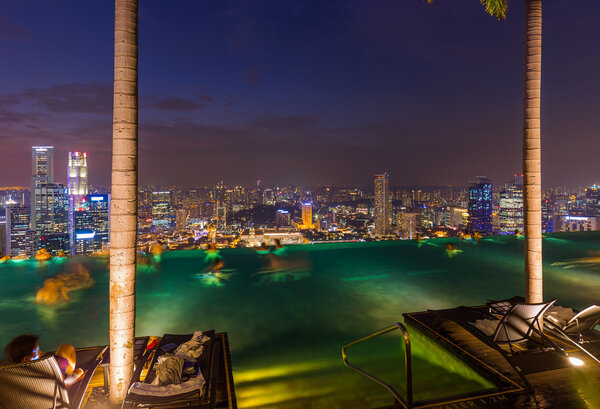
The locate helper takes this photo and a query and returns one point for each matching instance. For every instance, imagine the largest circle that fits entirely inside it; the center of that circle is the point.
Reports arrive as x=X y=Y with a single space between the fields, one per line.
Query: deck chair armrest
x=139 y=365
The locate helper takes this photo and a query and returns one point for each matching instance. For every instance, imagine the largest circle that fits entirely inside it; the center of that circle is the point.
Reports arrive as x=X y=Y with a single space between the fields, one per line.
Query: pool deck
x=553 y=382
x=96 y=396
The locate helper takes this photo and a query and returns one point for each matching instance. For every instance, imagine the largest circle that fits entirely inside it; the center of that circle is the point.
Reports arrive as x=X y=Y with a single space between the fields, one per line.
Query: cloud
x=178 y=104
x=8 y=100
x=286 y=123
x=10 y=30
x=188 y=136
x=252 y=77
x=205 y=98
x=234 y=100
x=88 y=98
x=12 y=117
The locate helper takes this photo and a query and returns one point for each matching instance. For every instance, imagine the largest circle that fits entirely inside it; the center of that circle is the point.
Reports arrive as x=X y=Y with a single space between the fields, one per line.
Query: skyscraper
x=592 y=201
x=42 y=172
x=511 y=207
x=480 y=206
x=307 y=220
x=49 y=202
x=91 y=224
x=19 y=238
x=77 y=175
x=161 y=208
x=383 y=205
x=181 y=218
x=77 y=184
x=51 y=208
x=282 y=218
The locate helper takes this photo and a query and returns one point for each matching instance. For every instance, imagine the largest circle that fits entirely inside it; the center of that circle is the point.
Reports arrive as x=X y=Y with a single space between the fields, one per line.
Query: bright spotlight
x=575 y=361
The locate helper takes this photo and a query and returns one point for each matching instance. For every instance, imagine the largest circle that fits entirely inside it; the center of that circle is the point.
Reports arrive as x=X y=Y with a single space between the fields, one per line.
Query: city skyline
x=397 y=87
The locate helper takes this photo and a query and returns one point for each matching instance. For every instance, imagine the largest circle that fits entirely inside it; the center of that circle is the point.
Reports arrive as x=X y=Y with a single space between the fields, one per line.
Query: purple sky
x=303 y=92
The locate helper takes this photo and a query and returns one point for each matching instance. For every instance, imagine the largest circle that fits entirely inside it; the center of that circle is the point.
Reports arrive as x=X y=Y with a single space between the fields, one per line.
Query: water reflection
x=214 y=279
x=278 y=268
x=451 y=250
x=591 y=261
x=56 y=289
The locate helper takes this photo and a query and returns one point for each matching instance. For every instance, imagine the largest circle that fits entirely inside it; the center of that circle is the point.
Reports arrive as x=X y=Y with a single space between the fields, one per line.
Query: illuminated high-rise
x=161 y=208
x=77 y=184
x=77 y=175
x=282 y=218
x=18 y=237
x=480 y=206
x=307 y=219
x=383 y=205
x=511 y=207
x=91 y=224
x=42 y=172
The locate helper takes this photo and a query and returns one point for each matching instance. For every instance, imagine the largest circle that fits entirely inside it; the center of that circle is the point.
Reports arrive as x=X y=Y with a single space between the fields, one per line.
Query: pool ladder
x=398 y=400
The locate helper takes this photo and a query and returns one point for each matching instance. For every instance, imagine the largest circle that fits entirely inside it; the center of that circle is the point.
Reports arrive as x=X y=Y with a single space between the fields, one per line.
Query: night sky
x=302 y=92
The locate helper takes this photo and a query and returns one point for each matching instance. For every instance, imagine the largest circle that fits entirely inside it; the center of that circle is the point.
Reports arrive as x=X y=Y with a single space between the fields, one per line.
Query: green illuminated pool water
x=288 y=318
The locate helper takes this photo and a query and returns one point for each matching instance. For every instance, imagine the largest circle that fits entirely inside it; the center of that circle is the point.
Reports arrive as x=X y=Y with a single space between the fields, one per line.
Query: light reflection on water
x=289 y=314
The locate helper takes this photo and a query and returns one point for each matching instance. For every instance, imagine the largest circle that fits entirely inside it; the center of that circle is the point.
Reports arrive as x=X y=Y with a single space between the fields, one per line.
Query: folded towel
x=195 y=383
x=192 y=350
x=168 y=371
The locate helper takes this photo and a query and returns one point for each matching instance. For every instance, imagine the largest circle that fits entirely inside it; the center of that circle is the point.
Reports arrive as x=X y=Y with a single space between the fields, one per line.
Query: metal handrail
x=407 y=359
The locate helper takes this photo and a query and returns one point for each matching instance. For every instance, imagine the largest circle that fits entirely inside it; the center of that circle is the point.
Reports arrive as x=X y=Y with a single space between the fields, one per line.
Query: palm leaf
x=496 y=8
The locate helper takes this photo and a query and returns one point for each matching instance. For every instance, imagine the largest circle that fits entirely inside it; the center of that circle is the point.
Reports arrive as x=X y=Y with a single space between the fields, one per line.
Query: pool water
x=288 y=315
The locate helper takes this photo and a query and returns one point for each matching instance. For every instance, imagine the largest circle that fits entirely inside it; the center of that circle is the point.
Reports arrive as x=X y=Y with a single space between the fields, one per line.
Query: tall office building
x=91 y=224
x=592 y=201
x=383 y=205
x=282 y=218
x=181 y=218
x=511 y=207
x=3 y=235
x=307 y=219
x=480 y=206
x=77 y=174
x=18 y=237
x=77 y=184
x=51 y=209
x=42 y=172
x=161 y=208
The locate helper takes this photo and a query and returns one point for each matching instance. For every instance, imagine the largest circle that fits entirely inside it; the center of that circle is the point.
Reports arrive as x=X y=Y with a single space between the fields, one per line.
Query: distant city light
x=86 y=235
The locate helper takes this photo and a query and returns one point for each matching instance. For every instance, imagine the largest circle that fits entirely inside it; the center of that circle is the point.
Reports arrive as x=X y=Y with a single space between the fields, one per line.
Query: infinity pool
x=288 y=315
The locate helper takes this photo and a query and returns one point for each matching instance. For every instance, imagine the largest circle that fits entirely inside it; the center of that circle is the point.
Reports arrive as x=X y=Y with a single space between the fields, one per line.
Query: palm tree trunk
x=123 y=217
x=532 y=174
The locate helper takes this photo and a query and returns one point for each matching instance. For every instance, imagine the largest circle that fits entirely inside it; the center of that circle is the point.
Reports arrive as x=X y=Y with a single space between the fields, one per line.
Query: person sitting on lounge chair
x=24 y=348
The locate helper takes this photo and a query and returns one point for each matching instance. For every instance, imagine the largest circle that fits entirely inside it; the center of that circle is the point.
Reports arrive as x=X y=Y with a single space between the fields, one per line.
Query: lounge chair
x=202 y=397
x=577 y=328
x=520 y=328
x=521 y=323
x=580 y=324
x=570 y=327
x=39 y=384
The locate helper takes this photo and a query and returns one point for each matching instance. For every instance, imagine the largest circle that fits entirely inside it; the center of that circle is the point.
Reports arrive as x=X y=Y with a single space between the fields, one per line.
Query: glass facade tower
x=480 y=206
x=383 y=205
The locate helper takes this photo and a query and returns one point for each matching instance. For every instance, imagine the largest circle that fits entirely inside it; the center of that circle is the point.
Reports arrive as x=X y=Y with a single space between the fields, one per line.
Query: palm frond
x=496 y=8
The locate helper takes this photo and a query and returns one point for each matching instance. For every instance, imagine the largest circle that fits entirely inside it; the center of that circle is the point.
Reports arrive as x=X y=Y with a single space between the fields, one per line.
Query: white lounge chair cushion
x=488 y=327
x=559 y=315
